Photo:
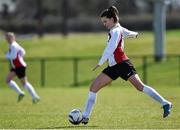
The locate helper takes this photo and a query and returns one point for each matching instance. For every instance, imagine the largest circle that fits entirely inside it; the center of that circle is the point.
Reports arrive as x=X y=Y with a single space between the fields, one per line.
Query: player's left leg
x=139 y=85
x=31 y=90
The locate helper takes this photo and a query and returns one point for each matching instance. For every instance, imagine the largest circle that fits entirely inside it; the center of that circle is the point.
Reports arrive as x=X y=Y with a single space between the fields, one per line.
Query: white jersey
x=15 y=55
x=114 y=51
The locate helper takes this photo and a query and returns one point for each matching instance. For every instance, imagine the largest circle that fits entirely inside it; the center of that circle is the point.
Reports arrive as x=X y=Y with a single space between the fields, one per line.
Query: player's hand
x=96 y=67
x=137 y=35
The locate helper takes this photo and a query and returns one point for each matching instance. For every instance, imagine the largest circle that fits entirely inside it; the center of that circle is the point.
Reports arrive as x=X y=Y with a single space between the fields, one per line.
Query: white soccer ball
x=75 y=116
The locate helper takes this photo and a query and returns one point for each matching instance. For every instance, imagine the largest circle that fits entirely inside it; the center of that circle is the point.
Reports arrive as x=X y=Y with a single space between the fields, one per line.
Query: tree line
x=76 y=15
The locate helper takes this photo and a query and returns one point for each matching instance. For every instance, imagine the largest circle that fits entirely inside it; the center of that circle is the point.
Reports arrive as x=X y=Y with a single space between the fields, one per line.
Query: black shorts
x=20 y=72
x=123 y=70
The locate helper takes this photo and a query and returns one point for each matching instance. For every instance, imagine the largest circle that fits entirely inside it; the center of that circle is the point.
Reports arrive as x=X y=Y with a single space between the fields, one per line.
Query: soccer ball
x=75 y=116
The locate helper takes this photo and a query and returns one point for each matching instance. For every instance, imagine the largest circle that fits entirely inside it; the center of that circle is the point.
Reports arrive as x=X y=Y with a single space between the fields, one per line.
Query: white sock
x=89 y=104
x=155 y=95
x=15 y=87
x=31 y=90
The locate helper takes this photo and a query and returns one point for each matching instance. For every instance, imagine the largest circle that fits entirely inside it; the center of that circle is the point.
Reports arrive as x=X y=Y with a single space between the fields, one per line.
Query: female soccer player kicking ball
x=18 y=67
x=119 y=65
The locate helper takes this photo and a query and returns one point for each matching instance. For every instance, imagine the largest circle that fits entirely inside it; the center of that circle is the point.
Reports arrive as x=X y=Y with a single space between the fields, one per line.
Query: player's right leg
x=14 y=86
x=21 y=73
x=101 y=81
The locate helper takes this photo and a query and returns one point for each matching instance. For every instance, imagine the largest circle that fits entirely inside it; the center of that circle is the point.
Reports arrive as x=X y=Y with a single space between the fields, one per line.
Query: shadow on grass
x=71 y=127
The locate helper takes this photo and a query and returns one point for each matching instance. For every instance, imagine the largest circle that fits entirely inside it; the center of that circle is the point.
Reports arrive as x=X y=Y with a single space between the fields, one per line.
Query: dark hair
x=111 y=12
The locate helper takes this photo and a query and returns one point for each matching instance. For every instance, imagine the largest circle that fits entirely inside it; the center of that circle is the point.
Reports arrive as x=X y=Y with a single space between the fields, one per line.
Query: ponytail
x=111 y=12
x=114 y=10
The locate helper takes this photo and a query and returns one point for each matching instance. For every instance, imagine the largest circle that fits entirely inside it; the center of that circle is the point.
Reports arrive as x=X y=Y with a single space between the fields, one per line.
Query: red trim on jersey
x=17 y=63
x=119 y=55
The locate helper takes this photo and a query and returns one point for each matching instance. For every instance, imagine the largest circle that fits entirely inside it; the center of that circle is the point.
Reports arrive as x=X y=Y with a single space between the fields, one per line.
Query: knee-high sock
x=89 y=104
x=154 y=94
x=31 y=90
x=15 y=87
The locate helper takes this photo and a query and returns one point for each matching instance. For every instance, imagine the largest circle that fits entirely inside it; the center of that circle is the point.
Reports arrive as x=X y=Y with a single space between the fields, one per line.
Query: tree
x=39 y=17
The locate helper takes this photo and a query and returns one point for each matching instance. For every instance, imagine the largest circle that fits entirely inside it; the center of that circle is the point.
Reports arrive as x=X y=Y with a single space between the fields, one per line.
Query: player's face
x=9 y=38
x=108 y=22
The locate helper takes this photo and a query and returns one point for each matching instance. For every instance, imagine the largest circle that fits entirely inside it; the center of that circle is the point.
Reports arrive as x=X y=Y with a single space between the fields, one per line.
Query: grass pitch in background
x=116 y=108
x=60 y=72
x=90 y=44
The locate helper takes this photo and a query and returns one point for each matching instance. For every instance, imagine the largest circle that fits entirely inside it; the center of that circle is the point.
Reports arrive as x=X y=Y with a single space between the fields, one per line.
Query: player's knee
x=94 y=88
x=23 y=83
x=8 y=80
x=139 y=88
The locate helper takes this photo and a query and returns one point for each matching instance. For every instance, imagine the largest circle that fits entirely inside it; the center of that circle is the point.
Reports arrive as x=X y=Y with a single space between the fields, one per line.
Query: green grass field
x=90 y=44
x=119 y=106
x=116 y=108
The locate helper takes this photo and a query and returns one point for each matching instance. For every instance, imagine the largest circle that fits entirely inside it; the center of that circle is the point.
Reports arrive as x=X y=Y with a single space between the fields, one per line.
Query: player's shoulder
x=116 y=30
x=15 y=45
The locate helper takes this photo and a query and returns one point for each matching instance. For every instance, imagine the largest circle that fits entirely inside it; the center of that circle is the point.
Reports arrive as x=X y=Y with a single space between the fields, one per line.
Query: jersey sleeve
x=112 y=45
x=127 y=33
x=22 y=52
x=12 y=53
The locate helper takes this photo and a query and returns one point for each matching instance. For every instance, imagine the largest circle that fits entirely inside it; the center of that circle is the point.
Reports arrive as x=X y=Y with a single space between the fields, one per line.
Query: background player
x=18 y=68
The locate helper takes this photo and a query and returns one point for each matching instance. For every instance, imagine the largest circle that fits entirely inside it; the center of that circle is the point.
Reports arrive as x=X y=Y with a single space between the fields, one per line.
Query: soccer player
x=119 y=65
x=18 y=68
